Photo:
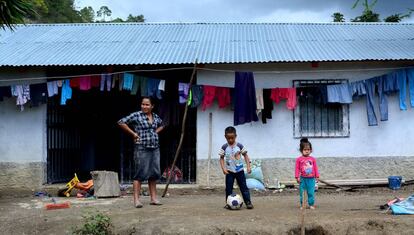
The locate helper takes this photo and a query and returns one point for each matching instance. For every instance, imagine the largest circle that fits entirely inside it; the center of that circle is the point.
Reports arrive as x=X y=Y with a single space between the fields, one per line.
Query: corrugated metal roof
x=182 y=43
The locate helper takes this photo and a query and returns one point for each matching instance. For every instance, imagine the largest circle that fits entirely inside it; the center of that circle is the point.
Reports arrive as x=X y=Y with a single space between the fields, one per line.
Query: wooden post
x=182 y=131
x=210 y=143
x=302 y=215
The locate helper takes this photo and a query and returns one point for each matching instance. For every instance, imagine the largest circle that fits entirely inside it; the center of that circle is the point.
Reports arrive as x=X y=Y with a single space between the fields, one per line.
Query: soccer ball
x=234 y=201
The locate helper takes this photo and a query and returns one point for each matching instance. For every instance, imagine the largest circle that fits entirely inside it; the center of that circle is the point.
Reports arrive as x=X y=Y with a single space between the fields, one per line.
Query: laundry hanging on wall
x=52 y=88
x=38 y=94
x=5 y=92
x=267 y=105
x=66 y=93
x=22 y=94
x=376 y=89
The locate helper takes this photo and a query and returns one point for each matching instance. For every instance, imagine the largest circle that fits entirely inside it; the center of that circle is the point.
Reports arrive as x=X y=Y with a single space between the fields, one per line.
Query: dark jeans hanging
x=268 y=105
x=384 y=85
x=402 y=76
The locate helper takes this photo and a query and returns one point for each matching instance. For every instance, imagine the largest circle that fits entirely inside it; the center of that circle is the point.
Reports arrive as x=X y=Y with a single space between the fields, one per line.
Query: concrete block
x=106 y=184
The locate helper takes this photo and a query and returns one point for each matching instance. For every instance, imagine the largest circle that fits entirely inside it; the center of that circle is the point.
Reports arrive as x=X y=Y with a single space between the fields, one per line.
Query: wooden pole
x=210 y=143
x=182 y=130
x=302 y=215
x=339 y=188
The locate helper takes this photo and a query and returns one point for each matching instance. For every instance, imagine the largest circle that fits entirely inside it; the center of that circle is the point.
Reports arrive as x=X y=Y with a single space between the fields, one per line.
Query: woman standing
x=144 y=126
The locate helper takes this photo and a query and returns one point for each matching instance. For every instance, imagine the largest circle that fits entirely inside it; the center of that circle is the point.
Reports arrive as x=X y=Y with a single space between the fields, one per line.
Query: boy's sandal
x=138 y=204
x=156 y=203
x=249 y=206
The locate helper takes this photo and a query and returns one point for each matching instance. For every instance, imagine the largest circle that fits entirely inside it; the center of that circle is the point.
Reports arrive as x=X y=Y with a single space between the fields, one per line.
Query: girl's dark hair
x=304 y=142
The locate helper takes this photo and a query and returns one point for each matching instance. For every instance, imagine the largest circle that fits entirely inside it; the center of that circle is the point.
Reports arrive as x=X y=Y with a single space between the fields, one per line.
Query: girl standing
x=306 y=172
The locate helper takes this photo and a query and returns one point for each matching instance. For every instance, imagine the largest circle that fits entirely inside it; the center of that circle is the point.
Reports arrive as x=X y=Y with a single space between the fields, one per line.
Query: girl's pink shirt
x=306 y=167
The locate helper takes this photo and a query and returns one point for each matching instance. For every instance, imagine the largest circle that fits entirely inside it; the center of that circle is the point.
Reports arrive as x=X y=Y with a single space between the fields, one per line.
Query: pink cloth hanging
x=85 y=83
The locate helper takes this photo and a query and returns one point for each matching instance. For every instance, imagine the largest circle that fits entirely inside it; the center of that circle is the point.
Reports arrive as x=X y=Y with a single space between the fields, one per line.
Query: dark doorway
x=84 y=136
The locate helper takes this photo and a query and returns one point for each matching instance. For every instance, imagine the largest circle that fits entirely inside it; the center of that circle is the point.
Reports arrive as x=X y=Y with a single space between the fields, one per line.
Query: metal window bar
x=312 y=119
x=63 y=144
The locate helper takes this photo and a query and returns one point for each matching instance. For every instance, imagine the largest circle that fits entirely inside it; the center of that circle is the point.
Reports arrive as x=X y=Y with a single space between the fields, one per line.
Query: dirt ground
x=200 y=211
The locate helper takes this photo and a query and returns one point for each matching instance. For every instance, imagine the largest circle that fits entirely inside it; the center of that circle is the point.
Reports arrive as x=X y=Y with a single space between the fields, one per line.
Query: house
x=50 y=142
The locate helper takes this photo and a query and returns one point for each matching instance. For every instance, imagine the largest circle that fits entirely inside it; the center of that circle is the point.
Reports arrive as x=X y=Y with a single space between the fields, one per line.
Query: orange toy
x=75 y=183
x=70 y=185
x=84 y=186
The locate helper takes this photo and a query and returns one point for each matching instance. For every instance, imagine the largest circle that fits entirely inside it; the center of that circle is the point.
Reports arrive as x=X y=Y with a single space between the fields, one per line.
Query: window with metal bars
x=313 y=118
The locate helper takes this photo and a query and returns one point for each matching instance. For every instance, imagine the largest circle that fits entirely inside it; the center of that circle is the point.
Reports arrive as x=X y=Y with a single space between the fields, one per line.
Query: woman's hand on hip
x=136 y=138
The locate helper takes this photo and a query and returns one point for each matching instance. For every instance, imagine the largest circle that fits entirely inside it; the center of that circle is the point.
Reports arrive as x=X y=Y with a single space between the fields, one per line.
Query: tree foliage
x=87 y=14
x=103 y=12
x=14 y=12
x=398 y=17
x=130 y=18
x=40 y=7
x=393 y=18
x=138 y=18
x=118 y=20
x=368 y=14
x=54 y=11
x=338 y=17
x=368 y=6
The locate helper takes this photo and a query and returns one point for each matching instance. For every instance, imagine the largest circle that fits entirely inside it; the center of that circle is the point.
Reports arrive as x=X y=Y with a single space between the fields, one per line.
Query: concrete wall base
x=31 y=176
x=329 y=167
x=22 y=176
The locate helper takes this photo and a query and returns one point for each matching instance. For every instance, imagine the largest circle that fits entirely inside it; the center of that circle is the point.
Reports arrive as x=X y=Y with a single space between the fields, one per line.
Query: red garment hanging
x=209 y=94
x=223 y=96
x=288 y=94
x=96 y=81
x=291 y=98
x=275 y=95
x=74 y=82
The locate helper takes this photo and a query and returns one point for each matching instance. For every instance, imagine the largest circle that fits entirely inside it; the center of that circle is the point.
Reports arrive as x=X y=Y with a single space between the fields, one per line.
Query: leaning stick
x=182 y=130
x=335 y=186
x=302 y=213
x=210 y=137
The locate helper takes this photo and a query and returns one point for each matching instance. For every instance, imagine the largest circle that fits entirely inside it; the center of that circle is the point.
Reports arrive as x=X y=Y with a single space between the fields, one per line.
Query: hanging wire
x=306 y=71
x=93 y=74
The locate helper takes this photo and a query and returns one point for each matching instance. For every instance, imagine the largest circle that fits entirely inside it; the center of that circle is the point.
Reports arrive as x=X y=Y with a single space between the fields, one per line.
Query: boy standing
x=232 y=165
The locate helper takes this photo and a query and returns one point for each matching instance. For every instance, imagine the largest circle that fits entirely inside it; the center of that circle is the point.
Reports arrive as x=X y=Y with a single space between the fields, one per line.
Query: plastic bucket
x=394 y=182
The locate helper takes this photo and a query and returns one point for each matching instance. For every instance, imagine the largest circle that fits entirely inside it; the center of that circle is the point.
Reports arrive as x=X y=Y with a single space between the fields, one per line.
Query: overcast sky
x=243 y=10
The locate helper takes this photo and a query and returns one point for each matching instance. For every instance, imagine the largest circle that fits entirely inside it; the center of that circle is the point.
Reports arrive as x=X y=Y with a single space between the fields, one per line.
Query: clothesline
x=307 y=71
x=205 y=69
x=92 y=74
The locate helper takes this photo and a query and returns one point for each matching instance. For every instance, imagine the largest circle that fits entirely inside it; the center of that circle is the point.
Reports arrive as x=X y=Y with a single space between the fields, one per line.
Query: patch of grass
x=95 y=224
